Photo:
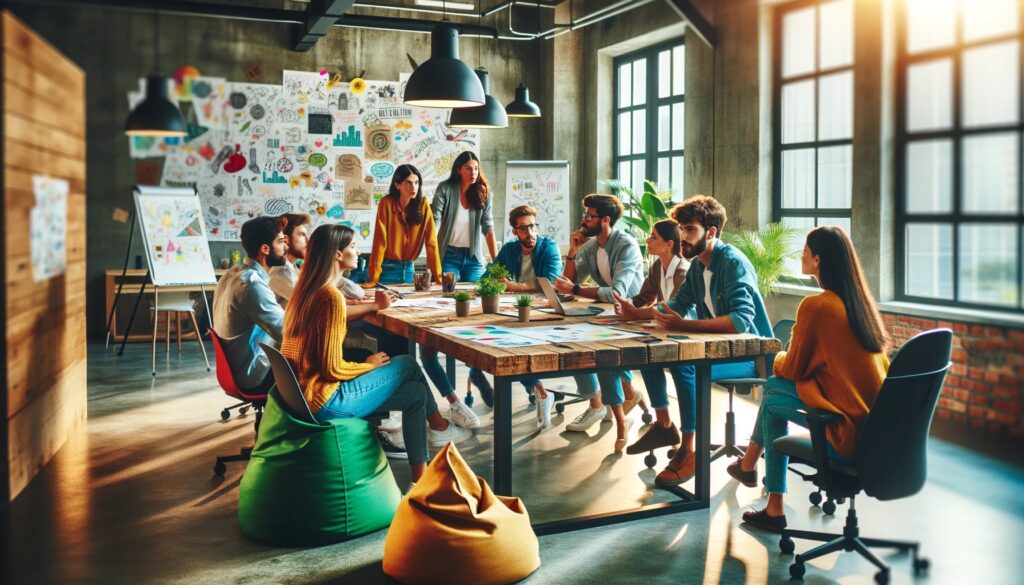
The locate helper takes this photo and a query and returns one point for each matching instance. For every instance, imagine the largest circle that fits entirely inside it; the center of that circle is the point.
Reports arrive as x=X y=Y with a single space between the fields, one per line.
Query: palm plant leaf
x=767 y=249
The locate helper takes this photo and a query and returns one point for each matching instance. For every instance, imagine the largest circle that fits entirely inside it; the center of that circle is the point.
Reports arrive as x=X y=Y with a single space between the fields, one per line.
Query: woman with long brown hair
x=314 y=329
x=404 y=226
x=836 y=362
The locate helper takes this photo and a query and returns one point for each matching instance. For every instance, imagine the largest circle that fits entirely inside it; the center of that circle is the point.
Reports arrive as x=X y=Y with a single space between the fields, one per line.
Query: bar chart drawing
x=350 y=138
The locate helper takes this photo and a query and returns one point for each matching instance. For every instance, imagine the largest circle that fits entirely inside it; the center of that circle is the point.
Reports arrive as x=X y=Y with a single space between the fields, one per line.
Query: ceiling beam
x=696 y=20
x=321 y=16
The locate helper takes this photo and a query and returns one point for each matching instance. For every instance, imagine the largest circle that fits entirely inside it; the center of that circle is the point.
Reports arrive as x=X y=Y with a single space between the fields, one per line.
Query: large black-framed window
x=650 y=88
x=813 y=115
x=959 y=128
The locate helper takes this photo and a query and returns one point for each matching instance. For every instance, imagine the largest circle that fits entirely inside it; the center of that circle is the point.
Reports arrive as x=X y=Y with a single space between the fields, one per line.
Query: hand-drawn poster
x=174 y=233
x=48 y=222
x=543 y=185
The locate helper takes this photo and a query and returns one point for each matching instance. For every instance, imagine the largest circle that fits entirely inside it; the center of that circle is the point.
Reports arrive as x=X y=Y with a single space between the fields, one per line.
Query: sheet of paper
x=491 y=335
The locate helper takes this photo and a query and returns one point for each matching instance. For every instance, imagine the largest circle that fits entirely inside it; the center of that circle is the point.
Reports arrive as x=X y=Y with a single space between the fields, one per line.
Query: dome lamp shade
x=155 y=115
x=522 y=107
x=443 y=81
x=489 y=115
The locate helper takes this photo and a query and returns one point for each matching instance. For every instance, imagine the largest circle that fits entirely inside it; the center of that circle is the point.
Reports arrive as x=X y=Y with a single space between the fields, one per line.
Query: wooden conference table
x=420 y=325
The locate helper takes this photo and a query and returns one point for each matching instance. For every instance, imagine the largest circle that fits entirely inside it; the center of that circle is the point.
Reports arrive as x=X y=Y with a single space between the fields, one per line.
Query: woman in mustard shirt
x=404 y=226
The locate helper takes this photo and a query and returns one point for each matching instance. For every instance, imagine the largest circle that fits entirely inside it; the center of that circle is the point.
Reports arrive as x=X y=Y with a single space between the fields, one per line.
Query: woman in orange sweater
x=836 y=362
x=314 y=330
x=404 y=226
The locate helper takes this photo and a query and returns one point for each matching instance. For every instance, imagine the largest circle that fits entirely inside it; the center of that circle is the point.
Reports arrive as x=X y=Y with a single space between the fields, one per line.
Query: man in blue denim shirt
x=244 y=307
x=722 y=287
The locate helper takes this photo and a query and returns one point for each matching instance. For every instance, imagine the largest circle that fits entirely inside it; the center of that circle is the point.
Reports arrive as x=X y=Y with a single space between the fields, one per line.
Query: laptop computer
x=556 y=303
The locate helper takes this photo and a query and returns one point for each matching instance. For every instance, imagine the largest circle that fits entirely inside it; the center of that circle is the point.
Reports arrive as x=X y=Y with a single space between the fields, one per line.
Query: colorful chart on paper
x=174 y=233
x=497 y=336
x=491 y=335
x=543 y=185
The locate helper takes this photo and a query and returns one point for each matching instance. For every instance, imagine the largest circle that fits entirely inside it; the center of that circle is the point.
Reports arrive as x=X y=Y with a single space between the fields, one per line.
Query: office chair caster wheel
x=219 y=468
x=764 y=480
x=671 y=452
x=243 y=410
x=559 y=396
x=882 y=577
x=786 y=545
x=559 y=407
x=921 y=565
x=815 y=498
x=797 y=570
x=829 y=507
x=225 y=414
x=650 y=460
x=647 y=418
x=533 y=399
x=469 y=399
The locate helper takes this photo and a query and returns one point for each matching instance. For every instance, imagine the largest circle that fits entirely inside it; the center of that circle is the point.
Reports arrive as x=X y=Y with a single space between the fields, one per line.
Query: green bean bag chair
x=312 y=483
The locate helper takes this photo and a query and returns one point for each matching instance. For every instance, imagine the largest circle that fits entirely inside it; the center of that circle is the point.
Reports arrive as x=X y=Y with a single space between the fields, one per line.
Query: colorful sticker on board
x=378 y=142
x=382 y=170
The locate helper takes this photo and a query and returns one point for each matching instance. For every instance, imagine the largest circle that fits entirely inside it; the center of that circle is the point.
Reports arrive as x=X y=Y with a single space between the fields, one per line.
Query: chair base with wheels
x=255 y=399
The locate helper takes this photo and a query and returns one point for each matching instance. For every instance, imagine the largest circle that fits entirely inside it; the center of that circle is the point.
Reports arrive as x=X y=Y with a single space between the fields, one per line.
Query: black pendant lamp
x=522 y=107
x=155 y=115
x=444 y=81
x=489 y=115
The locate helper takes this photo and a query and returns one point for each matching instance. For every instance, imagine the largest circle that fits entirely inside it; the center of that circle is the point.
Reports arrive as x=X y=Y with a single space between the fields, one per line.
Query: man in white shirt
x=283 y=278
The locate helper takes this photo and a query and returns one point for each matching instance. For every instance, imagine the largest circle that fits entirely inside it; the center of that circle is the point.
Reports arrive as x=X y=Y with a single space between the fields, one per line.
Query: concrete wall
x=115 y=49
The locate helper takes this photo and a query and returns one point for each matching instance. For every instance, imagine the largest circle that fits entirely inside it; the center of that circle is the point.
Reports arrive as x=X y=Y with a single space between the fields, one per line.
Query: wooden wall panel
x=43 y=133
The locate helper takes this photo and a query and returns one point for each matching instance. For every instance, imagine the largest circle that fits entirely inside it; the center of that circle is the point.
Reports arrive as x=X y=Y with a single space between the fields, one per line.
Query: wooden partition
x=43 y=326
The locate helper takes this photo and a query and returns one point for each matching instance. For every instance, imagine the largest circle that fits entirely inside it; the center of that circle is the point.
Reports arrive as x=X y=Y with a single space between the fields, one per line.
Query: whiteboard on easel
x=544 y=186
x=171 y=221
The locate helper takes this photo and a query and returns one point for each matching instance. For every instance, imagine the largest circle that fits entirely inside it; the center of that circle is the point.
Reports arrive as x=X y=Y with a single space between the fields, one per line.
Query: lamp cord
x=156 y=40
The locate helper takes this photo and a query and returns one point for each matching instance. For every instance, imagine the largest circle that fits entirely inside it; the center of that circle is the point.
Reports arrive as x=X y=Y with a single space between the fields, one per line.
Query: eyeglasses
x=532 y=227
x=588 y=217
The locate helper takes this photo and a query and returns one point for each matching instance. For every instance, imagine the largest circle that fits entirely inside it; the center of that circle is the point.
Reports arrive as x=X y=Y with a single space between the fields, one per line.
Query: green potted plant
x=642 y=211
x=768 y=249
x=497 y=272
x=462 y=303
x=488 y=290
x=524 y=302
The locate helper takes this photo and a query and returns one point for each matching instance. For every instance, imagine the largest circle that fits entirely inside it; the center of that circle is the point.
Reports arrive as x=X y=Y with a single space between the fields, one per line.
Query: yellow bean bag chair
x=451 y=528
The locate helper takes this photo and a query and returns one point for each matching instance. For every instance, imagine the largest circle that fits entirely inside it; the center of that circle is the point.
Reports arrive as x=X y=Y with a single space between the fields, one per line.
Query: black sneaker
x=391 y=450
x=747 y=478
x=761 y=519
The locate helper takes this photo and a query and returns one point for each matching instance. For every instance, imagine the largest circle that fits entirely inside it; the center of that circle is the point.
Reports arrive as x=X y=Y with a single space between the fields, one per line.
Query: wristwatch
x=575 y=289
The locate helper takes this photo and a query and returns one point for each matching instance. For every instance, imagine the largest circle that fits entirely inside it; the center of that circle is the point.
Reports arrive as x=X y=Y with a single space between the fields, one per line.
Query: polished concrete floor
x=132 y=499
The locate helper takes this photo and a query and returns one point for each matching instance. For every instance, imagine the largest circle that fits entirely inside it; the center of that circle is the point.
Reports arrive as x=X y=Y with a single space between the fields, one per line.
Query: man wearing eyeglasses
x=530 y=255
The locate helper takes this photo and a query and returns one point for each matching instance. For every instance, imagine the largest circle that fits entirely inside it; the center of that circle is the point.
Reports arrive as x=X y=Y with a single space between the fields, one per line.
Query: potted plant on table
x=462 y=303
x=488 y=290
x=524 y=302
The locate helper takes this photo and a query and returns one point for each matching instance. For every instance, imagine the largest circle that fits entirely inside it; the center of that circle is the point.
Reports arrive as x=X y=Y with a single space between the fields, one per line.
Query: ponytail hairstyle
x=840 y=272
x=414 y=210
x=478 y=192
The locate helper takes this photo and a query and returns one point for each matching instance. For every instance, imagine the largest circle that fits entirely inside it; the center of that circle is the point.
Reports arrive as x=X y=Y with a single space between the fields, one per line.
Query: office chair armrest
x=817 y=422
x=741 y=385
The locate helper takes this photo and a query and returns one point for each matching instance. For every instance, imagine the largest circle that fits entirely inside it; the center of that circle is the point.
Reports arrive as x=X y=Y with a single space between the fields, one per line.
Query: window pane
x=990 y=84
x=804 y=224
x=989 y=18
x=625 y=85
x=678 y=126
x=639 y=131
x=798 y=178
x=929 y=261
x=988 y=264
x=639 y=82
x=664 y=127
x=798 y=112
x=990 y=173
x=639 y=174
x=930 y=176
x=624 y=174
x=929 y=95
x=843 y=222
x=677 y=178
x=836 y=21
x=836 y=106
x=930 y=24
x=664 y=172
x=625 y=133
x=664 y=73
x=835 y=181
x=679 y=70
x=798 y=42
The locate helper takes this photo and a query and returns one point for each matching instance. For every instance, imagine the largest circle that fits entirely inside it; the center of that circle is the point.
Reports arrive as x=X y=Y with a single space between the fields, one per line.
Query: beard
x=528 y=242
x=590 y=231
x=691 y=251
x=274 y=260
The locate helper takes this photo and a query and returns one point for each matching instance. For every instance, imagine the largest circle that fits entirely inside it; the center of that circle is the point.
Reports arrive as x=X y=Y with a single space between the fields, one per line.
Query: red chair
x=226 y=379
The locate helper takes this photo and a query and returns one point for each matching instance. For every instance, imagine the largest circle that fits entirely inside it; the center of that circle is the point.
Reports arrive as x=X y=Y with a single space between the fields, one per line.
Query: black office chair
x=745 y=386
x=890 y=457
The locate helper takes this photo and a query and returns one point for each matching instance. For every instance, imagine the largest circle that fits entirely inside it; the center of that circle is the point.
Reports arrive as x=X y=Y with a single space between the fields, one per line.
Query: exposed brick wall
x=984 y=389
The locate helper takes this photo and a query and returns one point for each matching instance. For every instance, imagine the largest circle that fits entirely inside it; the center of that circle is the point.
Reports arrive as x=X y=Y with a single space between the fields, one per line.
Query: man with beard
x=722 y=287
x=612 y=259
x=530 y=255
x=284 y=277
x=245 y=310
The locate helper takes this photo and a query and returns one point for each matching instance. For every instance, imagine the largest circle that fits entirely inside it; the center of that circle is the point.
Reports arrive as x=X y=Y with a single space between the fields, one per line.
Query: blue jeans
x=460 y=261
x=395 y=271
x=609 y=382
x=437 y=375
x=397 y=386
x=685 y=379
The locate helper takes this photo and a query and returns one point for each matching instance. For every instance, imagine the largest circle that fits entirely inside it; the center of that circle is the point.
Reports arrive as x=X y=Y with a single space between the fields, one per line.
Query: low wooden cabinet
x=142 y=326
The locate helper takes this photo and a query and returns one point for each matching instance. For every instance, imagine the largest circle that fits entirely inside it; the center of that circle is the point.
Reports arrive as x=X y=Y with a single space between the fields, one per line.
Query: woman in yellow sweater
x=314 y=330
x=836 y=362
x=404 y=226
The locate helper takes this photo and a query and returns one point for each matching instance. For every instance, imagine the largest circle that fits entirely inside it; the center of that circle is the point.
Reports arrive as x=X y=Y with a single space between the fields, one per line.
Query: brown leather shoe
x=679 y=470
x=657 y=436
x=628 y=405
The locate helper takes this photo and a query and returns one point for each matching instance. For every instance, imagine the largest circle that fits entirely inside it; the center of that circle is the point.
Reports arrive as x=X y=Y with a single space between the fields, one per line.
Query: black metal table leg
x=702 y=479
x=502 y=436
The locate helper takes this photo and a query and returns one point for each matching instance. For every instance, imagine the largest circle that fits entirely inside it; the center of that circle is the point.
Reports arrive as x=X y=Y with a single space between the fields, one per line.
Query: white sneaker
x=390 y=425
x=544 y=406
x=462 y=415
x=586 y=420
x=453 y=433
